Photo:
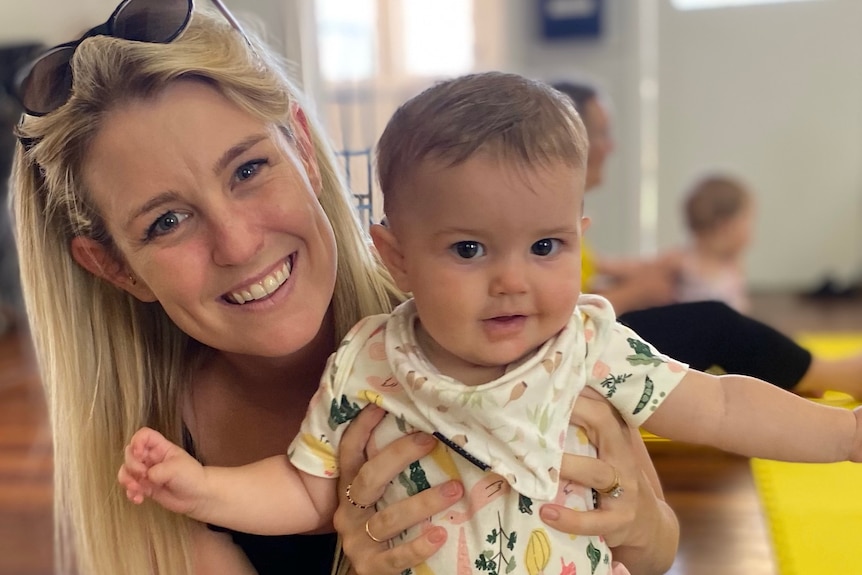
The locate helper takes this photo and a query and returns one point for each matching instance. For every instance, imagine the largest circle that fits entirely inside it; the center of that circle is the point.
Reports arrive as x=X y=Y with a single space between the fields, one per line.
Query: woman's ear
x=93 y=257
x=390 y=252
x=305 y=146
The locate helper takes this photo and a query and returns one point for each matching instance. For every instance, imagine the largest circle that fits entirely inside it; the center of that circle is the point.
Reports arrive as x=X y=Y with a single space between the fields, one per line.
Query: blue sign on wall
x=571 y=18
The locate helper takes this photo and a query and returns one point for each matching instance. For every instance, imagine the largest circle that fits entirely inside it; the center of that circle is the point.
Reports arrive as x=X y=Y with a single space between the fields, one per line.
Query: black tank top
x=279 y=554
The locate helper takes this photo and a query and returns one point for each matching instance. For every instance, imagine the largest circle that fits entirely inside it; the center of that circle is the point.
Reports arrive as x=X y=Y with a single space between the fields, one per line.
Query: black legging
x=707 y=334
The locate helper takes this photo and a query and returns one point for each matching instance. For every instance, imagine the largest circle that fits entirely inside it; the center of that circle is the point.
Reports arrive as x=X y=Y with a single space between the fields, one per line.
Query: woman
x=707 y=335
x=190 y=258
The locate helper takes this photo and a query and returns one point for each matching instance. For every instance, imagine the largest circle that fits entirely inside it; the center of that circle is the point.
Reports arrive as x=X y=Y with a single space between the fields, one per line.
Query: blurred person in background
x=708 y=335
x=719 y=217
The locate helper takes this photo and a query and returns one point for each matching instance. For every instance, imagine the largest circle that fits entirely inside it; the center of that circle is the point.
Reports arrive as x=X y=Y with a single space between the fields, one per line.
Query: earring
x=133 y=280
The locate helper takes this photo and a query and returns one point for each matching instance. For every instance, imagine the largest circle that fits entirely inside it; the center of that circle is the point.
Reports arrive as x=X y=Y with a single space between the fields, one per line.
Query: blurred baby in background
x=719 y=215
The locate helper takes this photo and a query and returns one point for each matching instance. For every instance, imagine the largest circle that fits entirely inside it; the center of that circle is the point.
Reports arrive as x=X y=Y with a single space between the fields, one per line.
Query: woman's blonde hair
x=110 y=363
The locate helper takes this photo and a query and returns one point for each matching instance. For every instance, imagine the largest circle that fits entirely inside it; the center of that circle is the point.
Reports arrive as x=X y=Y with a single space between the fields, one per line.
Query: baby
x=719 y=215
x=483 y=183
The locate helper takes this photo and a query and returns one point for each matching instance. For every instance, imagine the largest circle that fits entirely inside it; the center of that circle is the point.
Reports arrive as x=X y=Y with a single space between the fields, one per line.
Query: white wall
x=282 y=22
x=50 y=21
x=612 y=63
x=772 y=93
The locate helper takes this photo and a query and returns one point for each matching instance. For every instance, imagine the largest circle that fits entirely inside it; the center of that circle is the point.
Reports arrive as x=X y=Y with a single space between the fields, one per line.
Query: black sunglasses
x=46 y=83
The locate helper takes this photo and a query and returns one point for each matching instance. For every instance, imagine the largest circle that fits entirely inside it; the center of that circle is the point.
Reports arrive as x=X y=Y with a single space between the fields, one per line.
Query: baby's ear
x=389 y=248
x=93 y=257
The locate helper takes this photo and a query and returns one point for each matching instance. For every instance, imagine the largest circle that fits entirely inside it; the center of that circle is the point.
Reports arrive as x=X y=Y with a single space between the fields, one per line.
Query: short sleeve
x=315 y=449
x=628 y=371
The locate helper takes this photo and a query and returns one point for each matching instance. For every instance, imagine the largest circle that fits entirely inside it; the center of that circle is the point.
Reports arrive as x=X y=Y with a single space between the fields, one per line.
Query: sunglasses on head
x=46 y=83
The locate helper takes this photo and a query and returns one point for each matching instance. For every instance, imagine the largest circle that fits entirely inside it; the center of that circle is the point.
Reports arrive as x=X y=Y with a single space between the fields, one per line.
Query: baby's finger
x=134 y=490
x=132 y=463
x=125 y=478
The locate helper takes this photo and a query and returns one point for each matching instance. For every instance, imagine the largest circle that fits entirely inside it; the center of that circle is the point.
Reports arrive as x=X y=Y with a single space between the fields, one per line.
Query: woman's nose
x=235 y=239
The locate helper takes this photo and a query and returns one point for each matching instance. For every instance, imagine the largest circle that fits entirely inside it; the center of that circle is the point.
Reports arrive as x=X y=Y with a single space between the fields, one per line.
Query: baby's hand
x=156 y=468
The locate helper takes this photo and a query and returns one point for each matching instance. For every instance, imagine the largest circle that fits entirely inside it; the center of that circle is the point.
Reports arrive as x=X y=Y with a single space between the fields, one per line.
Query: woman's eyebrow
x=237 y=150
x=232 y=153
x=150 y=205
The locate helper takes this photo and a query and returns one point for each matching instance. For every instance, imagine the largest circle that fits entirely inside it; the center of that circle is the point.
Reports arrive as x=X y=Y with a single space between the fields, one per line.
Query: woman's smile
x=263 y=288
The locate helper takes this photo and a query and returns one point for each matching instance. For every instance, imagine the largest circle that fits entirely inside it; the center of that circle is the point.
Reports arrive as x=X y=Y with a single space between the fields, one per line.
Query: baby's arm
x=268 y=497
x=750 y=417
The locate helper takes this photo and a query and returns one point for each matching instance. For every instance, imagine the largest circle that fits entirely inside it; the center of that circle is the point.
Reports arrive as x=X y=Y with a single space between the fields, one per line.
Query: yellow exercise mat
x=814 y=511
x=831 y=344
x=814 y=515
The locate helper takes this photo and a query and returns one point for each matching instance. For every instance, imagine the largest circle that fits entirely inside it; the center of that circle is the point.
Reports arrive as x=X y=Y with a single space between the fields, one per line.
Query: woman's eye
x=545 y=247
x=165 y=224
x=468 y=250
x=248 y=170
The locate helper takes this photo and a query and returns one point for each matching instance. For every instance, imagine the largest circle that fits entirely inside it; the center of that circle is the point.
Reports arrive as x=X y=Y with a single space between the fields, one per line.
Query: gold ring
x=614 y=489
x=368 y=532
x=354 y=503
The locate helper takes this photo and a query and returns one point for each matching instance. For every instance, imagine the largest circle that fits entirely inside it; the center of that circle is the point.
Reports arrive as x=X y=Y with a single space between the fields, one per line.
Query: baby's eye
x=545 y=247
x=468 y=249
x=165 y=224
x=249 y=169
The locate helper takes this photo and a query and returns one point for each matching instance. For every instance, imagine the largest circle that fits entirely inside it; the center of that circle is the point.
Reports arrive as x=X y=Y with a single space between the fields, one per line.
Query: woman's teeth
x=263 y=288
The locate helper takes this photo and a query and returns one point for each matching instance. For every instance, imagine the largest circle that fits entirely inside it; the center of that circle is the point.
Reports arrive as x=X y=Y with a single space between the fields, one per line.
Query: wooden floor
x=712 y=493
x=25 y=465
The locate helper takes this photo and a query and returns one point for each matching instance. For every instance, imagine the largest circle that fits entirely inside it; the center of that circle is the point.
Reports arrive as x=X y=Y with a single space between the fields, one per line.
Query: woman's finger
x=368 y=485
x=351 y=452
x=596 y=522
x=404 y=514
x=395 y=561
x=588 y=471
x=598 y=418
x=367 y=481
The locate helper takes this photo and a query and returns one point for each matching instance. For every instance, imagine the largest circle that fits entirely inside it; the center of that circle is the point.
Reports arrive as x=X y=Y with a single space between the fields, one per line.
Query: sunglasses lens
x=48 y=83
x=156 y=21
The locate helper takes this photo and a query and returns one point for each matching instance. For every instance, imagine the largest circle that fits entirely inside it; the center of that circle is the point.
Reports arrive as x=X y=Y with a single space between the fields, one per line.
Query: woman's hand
x=638 y=525
x=367 y=481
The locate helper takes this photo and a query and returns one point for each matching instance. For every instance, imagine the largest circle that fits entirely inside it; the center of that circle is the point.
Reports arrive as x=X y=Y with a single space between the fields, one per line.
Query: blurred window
x=375 y=54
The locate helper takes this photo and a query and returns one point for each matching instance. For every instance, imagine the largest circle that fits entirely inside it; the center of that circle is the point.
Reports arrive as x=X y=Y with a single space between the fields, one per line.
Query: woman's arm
x=637 y=284
x=654 y=548
x=639 y=526
x=367 y=481
x=215 y=552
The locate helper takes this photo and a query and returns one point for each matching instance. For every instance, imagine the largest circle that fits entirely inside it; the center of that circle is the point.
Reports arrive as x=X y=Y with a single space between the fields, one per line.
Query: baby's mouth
x=263 y=288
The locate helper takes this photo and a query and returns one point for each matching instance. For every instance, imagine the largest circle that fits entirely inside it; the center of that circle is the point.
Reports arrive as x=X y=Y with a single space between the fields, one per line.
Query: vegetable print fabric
x=504 y=439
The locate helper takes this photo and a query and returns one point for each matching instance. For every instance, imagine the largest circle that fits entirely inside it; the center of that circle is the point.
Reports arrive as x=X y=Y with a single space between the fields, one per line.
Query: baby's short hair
x=713 y=200
x=505 y=114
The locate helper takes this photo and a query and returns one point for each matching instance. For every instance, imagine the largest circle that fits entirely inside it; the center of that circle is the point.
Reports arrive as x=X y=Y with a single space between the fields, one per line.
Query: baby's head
x=719 y=214
x=483 y=181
